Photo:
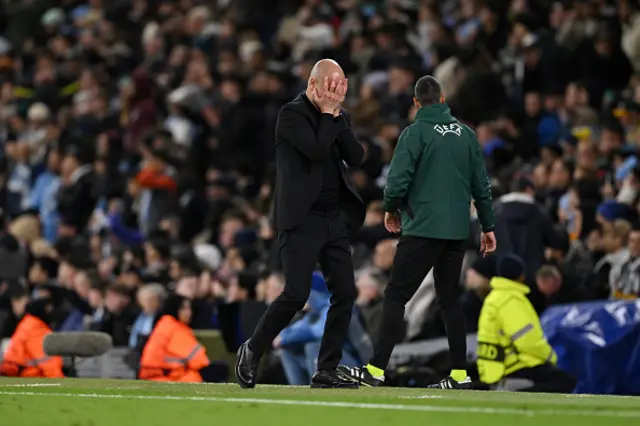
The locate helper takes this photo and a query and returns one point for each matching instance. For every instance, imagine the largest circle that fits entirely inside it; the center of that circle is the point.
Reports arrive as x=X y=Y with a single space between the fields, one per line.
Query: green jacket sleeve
x=401 y=171
x=481 y=190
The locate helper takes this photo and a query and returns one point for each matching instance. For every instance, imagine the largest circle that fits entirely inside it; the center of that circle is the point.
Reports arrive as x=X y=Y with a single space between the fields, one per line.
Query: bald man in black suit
x=316 y=206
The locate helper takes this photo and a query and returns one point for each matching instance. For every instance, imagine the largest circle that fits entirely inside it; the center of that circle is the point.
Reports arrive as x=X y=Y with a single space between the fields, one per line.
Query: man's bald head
x=329 y=98
x=326 y=68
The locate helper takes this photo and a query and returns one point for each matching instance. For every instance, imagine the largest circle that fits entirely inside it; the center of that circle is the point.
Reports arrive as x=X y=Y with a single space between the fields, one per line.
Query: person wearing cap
x=610 y=211
x=511 y=343
x=523 y=228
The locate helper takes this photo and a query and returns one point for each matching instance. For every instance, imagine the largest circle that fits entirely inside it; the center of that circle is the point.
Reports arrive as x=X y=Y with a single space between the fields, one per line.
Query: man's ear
x=416 y=102
x=442 y=98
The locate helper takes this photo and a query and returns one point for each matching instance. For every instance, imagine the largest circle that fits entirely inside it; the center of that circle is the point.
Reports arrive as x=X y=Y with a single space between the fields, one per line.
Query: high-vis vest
x=510 y=337
x=25 y=355
x=172 y=353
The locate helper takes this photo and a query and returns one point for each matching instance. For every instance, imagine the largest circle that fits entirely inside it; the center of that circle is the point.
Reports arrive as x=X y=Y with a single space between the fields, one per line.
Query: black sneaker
x=330 y=379
x=246 y=367
x=449 y=383
x=360 y=375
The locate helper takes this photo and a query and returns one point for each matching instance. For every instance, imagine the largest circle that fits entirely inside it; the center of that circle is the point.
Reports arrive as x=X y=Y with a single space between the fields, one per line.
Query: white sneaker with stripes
x=360 y=375
x=449 y=383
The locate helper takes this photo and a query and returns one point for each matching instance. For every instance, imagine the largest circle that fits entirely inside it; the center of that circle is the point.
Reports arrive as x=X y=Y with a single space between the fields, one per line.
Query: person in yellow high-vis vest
x=511 y=344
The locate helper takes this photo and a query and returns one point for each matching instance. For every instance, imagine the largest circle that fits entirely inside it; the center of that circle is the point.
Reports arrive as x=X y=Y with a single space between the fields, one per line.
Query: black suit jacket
x=77 y=200
x=304 y=139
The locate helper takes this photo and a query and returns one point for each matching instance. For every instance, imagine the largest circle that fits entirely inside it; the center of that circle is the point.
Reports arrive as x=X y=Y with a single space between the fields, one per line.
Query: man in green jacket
x=436 y=171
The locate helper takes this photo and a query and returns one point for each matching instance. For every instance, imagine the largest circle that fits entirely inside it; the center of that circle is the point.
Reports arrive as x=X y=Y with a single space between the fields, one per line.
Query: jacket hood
x=503 y=284
x=616 y=258
x=517 y=197
x=619 y=256
x=516 y=206
x=436 y=113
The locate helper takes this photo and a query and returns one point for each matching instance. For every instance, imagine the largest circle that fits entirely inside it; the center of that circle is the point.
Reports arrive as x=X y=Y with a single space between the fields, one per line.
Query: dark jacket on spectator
x=13 y=258
x=599 y=280
x=571 y=291
x=372 y=317
x=77 y=199
x=118 y=325
x=371 y=235
x=522 y=228
x=143 y=114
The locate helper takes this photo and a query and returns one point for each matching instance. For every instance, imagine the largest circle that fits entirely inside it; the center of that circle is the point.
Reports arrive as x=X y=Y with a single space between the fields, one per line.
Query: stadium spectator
x=13 y=300
x=150 y=298
x=117 y=315
x=615 y=246
x=523 y=228
x=383 y=256
x=558 y=288
x=370 y=286
x=25 y=356
x=77 y=197
x=172 y=353
x=625 y=281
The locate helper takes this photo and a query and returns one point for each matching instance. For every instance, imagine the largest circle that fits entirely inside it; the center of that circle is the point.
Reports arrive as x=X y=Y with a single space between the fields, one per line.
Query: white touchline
x=30 y=385
x=422 y=397
x=343 y=404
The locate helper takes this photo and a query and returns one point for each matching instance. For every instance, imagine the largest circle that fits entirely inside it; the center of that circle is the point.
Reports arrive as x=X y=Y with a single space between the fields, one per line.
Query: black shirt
x=329 y=197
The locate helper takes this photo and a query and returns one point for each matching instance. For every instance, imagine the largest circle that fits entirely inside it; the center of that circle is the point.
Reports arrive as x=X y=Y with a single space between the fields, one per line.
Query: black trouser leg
x=337 y=268
x=447 y=282
x=545 y=378
x=414 y=259
x=299 y=250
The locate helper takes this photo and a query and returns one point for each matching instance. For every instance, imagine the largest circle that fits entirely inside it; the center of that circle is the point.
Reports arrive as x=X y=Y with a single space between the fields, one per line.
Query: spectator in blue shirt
x=19 y=181
x=43 y=197
x=150 y=299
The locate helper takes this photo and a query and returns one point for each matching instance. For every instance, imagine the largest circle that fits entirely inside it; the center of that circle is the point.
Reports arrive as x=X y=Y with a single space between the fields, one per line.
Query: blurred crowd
x=137 y=156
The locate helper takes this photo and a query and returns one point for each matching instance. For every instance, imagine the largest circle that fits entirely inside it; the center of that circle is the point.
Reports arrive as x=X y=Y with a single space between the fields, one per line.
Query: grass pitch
x=87 y=402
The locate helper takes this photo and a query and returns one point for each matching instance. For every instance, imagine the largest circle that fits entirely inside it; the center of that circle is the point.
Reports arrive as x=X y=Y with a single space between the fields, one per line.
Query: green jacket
x=436 y=170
